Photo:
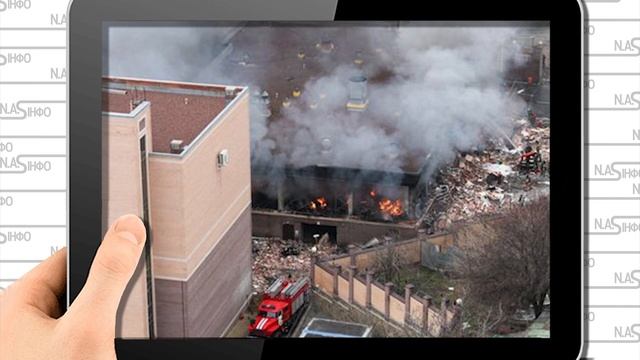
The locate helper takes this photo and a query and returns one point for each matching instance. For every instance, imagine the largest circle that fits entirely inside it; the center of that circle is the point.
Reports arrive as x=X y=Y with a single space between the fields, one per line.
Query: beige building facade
x=177 y=155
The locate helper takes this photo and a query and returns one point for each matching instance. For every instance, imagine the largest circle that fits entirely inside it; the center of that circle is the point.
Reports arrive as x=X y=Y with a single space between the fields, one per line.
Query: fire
x=388 y=206
x=391 y=207
x=319 y=203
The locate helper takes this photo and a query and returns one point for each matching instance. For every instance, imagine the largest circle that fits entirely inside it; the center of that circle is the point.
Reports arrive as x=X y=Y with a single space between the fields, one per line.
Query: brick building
x=177 y=155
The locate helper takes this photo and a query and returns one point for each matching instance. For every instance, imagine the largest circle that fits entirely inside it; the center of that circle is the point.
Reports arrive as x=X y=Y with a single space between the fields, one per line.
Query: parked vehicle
x=281 y=308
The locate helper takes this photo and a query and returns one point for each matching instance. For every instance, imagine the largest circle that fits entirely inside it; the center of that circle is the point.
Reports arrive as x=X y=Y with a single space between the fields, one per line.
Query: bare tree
x=477 y=320
x=388 y=264
x=503 y=262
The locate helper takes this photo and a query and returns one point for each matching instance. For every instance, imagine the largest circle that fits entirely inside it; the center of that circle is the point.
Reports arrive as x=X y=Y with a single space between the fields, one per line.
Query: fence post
x=387 y=299
x=312 y=275
x=351 y=250
x=336 y=275
x=368 y=295
x=426 y=303
x=408 y=290
x=352 y=273
x=443 y=315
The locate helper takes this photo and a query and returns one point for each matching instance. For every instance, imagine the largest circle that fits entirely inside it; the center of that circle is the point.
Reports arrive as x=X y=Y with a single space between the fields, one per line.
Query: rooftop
x=283 y=60
x=332 y=328
x=180 y=111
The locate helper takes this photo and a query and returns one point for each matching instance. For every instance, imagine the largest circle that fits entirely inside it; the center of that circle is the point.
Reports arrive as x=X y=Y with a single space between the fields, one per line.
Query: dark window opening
x=288 y=232
x=261 y=200
x=311 y=233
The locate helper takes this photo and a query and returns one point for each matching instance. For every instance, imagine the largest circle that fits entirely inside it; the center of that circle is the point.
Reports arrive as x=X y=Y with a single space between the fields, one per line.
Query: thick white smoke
x=163 y=53
x=444 y=94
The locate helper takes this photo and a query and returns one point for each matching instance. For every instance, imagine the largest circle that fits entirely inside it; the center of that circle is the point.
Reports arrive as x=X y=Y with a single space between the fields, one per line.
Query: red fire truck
x=281 y=308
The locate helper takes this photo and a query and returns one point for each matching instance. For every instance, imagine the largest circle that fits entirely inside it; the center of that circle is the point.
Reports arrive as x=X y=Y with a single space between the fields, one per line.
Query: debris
x=324 y=240
x=371 y=243
x=273 y=257
x=290 y=250
x=494 y=179
x=504 y=170
x=488 y=181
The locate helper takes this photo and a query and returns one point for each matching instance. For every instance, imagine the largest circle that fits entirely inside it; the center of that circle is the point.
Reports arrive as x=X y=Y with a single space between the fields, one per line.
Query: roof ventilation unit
x=358 y=99
x=176 y=146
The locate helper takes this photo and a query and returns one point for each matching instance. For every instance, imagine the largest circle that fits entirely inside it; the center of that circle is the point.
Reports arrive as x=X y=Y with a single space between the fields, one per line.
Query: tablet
x=376 y=178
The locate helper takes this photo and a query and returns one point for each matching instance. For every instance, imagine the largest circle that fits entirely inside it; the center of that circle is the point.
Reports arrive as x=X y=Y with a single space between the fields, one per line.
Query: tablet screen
x=386 y=179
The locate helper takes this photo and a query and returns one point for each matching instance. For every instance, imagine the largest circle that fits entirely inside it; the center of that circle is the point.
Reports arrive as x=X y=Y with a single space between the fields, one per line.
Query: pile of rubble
x=273 y=258
x=490 y=180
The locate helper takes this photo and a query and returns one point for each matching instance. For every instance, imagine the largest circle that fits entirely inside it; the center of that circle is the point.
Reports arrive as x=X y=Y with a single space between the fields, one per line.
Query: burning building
x=349 y=125
x=177 y=155
x=346 y=148
x=351 y=205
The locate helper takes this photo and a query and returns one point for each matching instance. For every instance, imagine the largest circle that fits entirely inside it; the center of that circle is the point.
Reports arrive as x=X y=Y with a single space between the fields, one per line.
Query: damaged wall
x=270 y=224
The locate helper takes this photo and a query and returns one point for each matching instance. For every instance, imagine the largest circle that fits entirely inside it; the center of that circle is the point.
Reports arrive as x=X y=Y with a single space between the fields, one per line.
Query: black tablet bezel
x=85 y=33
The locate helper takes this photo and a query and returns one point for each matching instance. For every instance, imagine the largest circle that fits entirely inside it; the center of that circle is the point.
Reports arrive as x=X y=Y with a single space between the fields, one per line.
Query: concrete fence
x=421 y=250
x=358 y=289
x=410 y=250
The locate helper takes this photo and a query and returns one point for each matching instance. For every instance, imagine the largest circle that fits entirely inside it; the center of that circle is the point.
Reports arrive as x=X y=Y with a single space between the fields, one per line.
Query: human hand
x=31 y=322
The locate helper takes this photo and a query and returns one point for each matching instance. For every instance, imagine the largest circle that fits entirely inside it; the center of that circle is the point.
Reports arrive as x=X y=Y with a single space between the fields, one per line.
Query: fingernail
x=131 y=228
x=125 y=235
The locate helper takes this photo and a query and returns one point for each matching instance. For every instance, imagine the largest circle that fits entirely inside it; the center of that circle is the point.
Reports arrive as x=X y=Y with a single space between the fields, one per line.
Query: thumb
x=112 y=268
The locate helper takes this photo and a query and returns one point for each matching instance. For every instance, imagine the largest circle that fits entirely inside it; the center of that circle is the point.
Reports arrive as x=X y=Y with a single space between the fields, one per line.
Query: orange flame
x=319 y=203
x=388 y=206
x=391 y=207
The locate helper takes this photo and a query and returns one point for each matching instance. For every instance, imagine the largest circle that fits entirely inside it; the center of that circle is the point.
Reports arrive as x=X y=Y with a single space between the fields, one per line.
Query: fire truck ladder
x=293 y=289
x=274 y=289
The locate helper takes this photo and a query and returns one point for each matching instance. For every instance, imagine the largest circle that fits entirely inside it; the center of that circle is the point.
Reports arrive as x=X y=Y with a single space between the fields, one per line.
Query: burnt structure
x=529 y=73
x=315 y=200
x=309 y=191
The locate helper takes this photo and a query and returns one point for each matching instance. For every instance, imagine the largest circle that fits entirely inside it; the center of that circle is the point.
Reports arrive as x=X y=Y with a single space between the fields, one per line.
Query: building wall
x=202 y=229
x=122 y=190
x=269 y=224
x=364 y=259
x=122 y=194
x=195 y=202
x=170 y=308
x=205 y=303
